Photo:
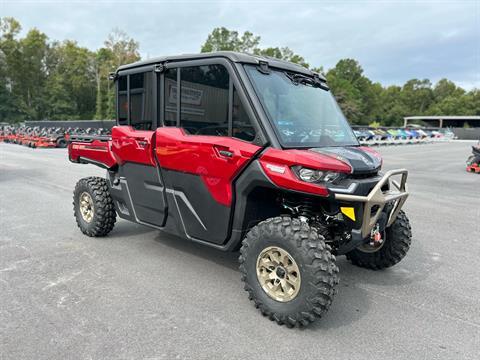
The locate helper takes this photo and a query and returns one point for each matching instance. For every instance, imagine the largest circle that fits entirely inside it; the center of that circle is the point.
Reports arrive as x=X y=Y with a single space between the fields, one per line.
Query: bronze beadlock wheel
x=288 y=270
x=278 y=274
x=86 y=207
x=93 y=206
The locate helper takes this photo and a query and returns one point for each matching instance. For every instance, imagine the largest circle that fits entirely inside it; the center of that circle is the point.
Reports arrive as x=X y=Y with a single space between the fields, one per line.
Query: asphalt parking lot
x=139 y=294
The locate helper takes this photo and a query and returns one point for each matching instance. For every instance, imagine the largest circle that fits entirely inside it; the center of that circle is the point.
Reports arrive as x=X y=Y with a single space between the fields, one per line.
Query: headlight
x=310 y=175
x=315 y=176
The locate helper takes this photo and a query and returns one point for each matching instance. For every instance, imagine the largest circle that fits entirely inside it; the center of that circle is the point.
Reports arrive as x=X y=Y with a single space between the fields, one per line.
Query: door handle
x=226 y=153
x=142 y=143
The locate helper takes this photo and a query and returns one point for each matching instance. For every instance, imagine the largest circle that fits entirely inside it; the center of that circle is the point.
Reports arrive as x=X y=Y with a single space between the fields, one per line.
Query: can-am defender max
x=244 y=152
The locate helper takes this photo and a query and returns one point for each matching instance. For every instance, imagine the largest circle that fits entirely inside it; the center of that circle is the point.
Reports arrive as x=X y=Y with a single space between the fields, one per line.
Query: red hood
x=306 y=158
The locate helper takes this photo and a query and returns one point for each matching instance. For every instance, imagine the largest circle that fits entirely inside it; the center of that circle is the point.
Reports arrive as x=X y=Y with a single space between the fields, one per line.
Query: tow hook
x=376 y=236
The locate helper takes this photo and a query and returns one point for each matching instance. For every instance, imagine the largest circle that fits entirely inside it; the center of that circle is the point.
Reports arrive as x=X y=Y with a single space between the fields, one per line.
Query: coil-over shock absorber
x=310 y=212
x=301 y=207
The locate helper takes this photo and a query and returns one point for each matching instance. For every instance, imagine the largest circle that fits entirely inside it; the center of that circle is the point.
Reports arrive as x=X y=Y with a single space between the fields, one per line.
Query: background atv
x=473 y=161
x=242 y=152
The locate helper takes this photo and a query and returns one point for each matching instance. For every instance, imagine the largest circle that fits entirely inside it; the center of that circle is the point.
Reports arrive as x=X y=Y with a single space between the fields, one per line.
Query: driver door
x=206 y=142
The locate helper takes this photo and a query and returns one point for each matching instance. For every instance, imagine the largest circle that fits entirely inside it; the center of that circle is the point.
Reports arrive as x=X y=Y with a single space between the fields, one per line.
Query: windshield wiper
x=307 y=80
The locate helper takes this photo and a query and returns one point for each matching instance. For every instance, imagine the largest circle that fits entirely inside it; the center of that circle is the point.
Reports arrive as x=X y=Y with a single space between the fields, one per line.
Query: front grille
x=364 y=175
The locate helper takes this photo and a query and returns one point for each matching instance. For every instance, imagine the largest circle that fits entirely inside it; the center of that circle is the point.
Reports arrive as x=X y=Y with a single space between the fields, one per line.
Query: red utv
x=20 y=135
x=52 y=138
x=243 y=152
x=31 y=137
x=473 y=161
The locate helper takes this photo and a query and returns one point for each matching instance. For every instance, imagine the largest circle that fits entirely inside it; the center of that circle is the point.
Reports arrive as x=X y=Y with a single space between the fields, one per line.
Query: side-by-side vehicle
x=241 y=152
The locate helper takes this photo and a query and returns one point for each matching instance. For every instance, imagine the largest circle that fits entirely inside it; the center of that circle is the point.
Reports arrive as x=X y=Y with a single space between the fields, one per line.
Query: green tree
x=119 y=49
x=283 y=53
x=356 y=94
x=27 y=66
x=40 y=78
x=417 y=95
x=347 y=97
x=223 y=39
x=103 y=61
x=124 y=48
x=473 y=101
x=8 y=107
x=391 y=109
x=445 y=88
x=71 y=82
x=11 y=108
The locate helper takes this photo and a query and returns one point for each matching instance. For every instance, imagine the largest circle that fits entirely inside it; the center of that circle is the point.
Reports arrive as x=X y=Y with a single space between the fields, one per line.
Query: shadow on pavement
x=353 y=300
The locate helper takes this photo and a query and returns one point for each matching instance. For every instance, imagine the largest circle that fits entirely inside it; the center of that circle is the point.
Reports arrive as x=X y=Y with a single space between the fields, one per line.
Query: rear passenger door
x=133 y=142
x=208 y=137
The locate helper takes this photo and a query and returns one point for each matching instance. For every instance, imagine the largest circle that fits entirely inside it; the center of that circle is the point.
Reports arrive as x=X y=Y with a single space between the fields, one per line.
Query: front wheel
x=396 y=243
x=93 y=206
x=288 y=270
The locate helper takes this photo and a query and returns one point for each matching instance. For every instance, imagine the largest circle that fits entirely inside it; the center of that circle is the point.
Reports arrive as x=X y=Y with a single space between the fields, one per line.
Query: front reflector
x=348 y=212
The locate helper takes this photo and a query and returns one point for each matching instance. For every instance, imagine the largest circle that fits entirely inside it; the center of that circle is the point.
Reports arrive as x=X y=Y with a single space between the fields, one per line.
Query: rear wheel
x=93 y=206
x=61 y=143
x=396 y=243
x=288 y=270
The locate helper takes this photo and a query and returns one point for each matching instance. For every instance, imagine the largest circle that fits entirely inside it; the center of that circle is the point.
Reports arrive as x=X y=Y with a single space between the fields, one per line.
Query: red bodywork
x=205 y=156
x=96 y=151
x=130 y=145
x=44 y=142
x=10 y=138
x=175 y=150
x=277 y=165
x=475 y=168
x=217 y=160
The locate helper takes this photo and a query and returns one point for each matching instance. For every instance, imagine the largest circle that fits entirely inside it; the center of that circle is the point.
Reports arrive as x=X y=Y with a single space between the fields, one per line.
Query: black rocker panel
x=146 y=191
x=201 y=216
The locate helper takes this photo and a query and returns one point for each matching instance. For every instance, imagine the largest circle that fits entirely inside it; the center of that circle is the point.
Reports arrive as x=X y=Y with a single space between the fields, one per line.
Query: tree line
x=47 y=79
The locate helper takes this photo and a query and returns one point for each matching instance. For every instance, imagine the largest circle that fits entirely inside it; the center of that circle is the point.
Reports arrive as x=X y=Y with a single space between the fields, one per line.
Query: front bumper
x=376 y=200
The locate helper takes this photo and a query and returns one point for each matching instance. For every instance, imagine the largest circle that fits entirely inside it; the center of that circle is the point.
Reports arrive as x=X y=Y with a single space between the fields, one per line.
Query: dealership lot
x=141 y=294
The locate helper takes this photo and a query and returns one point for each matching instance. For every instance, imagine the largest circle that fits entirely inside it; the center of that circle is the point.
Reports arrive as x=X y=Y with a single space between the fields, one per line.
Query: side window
x=141 y=101
x=122 y=101
x=204 y=100
x=139 y=113
x=242 y=127
x=171 y=92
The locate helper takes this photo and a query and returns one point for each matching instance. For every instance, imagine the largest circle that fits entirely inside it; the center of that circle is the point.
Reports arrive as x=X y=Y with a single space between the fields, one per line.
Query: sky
x=394 y=41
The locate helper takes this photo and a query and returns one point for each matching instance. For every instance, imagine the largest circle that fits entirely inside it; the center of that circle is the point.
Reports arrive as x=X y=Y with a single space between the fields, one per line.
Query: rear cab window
x=135 y=102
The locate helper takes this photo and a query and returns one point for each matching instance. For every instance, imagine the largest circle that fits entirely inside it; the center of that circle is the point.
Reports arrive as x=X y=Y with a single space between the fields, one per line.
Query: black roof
x=230 y=55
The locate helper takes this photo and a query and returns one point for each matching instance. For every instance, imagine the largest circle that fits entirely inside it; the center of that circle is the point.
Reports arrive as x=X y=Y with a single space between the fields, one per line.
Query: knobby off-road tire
x=398 y=238
x=93 y=206
x=311 y=256
x=61 y=143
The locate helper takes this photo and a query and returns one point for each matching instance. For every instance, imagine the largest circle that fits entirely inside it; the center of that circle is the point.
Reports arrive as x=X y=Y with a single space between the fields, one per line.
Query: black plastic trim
x=93 y=162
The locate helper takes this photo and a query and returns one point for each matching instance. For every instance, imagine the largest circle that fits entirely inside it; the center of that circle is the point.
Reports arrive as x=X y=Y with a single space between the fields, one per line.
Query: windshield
x=303 y=115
